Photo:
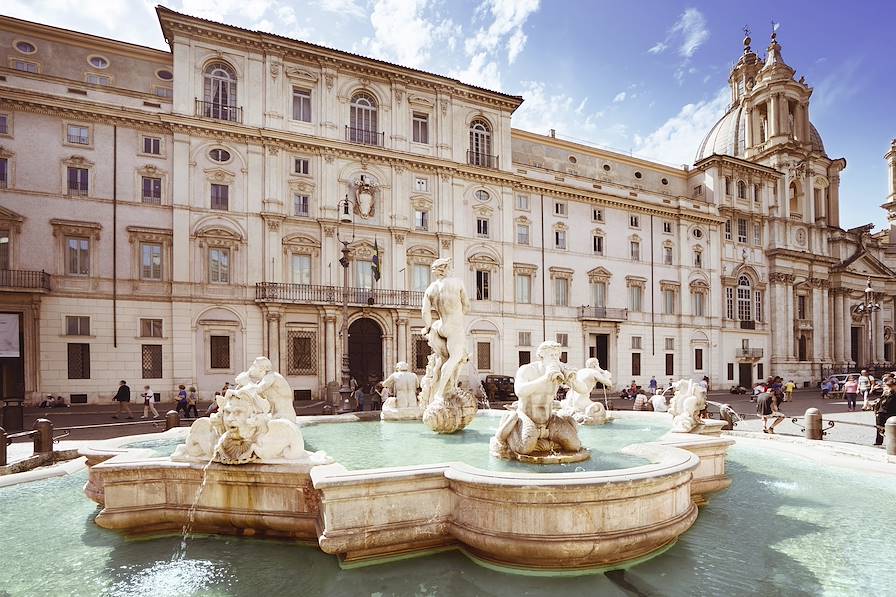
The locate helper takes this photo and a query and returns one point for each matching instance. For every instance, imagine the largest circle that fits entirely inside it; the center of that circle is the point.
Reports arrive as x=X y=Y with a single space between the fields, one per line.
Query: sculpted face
x=441 y=267
x=235 y=416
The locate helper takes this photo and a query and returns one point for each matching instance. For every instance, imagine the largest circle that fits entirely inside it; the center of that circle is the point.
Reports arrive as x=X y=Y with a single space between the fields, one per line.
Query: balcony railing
x=219 y=111
x=15 y=279
x=747 y=325
x=364 y=136
x=484 y=160
x=603 y=314
x=332 y=295
x=749 y=353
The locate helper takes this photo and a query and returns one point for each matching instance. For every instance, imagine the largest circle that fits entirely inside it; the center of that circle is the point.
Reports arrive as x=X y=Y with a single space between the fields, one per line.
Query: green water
x=787 y=527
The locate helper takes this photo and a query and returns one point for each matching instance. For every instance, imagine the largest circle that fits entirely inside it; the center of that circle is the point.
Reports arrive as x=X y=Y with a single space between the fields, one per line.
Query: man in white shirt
x=865 y=388
x=148 y=406
x=658 y=401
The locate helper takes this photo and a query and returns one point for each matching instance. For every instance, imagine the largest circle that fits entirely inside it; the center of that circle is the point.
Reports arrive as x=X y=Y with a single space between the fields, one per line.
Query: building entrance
x=745 y=375
x=12 y=358
x=601 y=351
x=365 y=351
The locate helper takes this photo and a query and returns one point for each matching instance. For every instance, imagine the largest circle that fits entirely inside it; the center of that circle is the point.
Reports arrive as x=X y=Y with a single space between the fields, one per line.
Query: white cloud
x=509 y=16
x=543 y=110
x=343 y=7
x=692 y=27
x=620 y=97
x=840 y=84
x=676 y=141
x=481 y=72
x=658 y=48
x=401 y=32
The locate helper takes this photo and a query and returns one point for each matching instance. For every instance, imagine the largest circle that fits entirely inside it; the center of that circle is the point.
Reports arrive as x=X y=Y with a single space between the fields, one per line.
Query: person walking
x=148 y=406
x=767 y=408
x=884 y=408
x=181 y=399
x=850 y=388
x=865 y=388
x=789 y=387
x=123 y=397
x=191 y=403
x=652 y=384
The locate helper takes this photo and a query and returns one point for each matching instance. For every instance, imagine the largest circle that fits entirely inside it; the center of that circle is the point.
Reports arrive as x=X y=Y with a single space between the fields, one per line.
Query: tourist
x=213 y=407
x=359 y=398
x=767 y=408
x=826 y=387
x=633 y=389
x=864 y=388
x=377 y=398
x=148 y=406
x=658 y=401
x=789 y=387
x=642 y=403
x=60 y=402
x=850 y=388
x=181 y=399
x=225 y=388
x=123 y=398
x=652 y=385
x=706 y=383
x=884 y=407
x=46 y=402
x=191 y=402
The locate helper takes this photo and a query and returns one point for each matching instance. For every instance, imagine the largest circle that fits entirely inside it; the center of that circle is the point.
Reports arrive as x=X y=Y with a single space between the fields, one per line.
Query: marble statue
x=401 y=387
x=688 y=401
x=579 y=404
x=255 y=422
x=534 y=431
x=449 y=408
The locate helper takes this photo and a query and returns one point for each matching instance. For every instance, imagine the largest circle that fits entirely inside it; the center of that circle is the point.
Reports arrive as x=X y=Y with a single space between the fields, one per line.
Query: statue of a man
x=403 y=386
x=262 y=381
x=447 y=297
x=579 y=404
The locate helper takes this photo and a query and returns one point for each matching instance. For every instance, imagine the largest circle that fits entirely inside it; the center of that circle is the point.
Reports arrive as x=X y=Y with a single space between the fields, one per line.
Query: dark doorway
x=12 y=359
x=365 y=351
x=601 y=351
x=855 y=337
x=745 y=375
x=803 y=348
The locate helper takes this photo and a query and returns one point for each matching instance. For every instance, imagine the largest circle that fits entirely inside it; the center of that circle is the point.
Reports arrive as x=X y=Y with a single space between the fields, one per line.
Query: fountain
x=579 y=404
x=401 y=404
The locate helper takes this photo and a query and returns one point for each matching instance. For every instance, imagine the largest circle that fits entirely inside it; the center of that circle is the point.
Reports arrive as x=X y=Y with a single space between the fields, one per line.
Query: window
x=421 y=219
x=301 y=205
x=98 y=62
x=667 y=227
x=698 y=233
x=669 y=343
x=730 y=371
x=219 y=82
x=670 y=363
x=165 y=75
x=757 y=193
x=152 y=190
x=729 y=303
x=524 y=338
x=741 y=230
x=744 y=296
x=698 y=258
x=636 y=363
x=78 y=134
x=4 y=173
x=758 y=296
x=302 y=166
x=634 y=221
x=727 y=185
x=301 y=269
x=482 y=195
x=741 y=189
x=151 y=361
x=25 y=66
x=4 y=124
x=636 y=342
x=420 y=276
x=26 y=47
x=78 y=181
x=301 y=105
x=77 y=256
x=561 y=292
x=698 y=300
x=597 y=244
x=559 y=208
x=480 y=152
x=420 y=128
x=78 y=361
x=482 y=227
x=559 y=239
x=421 y=352
x=150 y=261
x=152 y=145
x=301 y=351
x=4 y=249
x=599 y=294
x=219 y=155
x=667 y=255
x=757 y=234
x=161 y=91
x=698 y=190
x=482 y=285
x=801 y=310
x=363 y=119
x=522 y=234
x=151 y=328
x=220 y=196
x=727 y=229
x=95 y=79
x=522 y=202
x=219 y=352
x=484 y=356
x=635 y=250
x=525 y=357
x=634 y=298
x=668 y=302
x=77 y=325
x=597 y=215
x=219 y=265
x=522 y=288
x=421 y=185
x=363 y=273
x=698 y=359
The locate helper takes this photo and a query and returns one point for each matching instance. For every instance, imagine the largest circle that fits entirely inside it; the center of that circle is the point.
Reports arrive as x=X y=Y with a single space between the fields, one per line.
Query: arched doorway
x=365 y=350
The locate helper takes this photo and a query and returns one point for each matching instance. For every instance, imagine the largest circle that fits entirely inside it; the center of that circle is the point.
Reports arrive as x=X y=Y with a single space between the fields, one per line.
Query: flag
x=375 y=265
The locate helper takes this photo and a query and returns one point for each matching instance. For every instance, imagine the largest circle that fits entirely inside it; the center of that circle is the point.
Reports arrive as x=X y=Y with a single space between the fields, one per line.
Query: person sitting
x=213 y=407
x=642 y=403
x=46 y=402
x=59 y=402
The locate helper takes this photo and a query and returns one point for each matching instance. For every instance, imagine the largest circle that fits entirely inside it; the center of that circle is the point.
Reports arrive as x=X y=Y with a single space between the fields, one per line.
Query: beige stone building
x=166 y=216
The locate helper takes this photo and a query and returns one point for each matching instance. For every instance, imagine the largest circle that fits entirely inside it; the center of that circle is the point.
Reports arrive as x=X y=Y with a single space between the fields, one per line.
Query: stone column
x=790 y=292
x=846 y=324
x=403 y=339
x=784 y=114
x=332 y=372
x=773 y=123
x=748 y=129
x=776 y=308
x=388 y=354
x=878 y=321
x=817 y=322
x=837 y=324
x=273 y=346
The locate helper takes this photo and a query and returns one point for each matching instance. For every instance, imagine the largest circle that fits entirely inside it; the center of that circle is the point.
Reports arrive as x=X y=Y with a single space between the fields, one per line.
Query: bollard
x=2 y=446
x=890 y=436
x=43 y=439
x=812 y=420
x=172 y=419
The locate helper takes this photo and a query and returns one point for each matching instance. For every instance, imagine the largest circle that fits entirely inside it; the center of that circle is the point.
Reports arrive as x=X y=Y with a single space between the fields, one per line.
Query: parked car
x=499 y=388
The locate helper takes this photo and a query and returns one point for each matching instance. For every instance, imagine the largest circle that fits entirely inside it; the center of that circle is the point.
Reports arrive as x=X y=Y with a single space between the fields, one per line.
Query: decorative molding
x=145 y=234
x=525 y=269
x=300 y=74
x=399 y=239
x=420 y=100
x=421 y=255
x=329 y=230
x=599 y=274
x=635 y=281
x=420 y=202
x=781 y=278
x=670 y=285
x=76 y=228
x=482 y=261
x=561 y=272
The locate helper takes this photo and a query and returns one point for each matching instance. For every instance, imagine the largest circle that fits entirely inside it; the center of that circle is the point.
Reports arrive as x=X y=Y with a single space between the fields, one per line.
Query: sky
x=647 y=77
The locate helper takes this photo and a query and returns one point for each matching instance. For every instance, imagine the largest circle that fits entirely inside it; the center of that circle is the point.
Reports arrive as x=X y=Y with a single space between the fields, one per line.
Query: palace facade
x=167 y=216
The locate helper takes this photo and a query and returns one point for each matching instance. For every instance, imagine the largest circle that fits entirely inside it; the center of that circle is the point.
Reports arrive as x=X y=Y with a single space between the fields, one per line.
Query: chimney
x=553 y=134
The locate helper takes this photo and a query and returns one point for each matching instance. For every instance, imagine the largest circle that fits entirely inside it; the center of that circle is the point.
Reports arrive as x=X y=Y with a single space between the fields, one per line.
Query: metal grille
x=79 y=361
x=302 y=353
x=220 y=352
x=483 y=356
x=421 y=353
x=152 y=361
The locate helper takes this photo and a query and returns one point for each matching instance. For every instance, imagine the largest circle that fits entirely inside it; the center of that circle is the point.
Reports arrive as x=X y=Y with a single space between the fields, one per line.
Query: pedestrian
x=767 y=408
x=359 y=398
x=148 y=406
x=865 y=388
x=123 y=398
x=789 y=387
x=182 y=399
x=706 y=383
x=850 y=388
x=652 y=384
x=642 y=402
x=191 y=403
x=658 y=401
x=826 y=387
x=378 y=396
x=885 y=407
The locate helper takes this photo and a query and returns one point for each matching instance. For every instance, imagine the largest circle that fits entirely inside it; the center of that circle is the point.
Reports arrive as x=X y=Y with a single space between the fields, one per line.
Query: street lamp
x=867 y=309
x=345 y=217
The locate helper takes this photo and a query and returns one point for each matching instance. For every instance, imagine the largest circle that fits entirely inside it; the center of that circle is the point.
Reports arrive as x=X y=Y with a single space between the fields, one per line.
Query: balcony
x=16 y=280
x=602 y=314
x=219 y=111
x=749 y=353
x=364 y=136
x=276 y=292
x=747 y=325
x=483 y=160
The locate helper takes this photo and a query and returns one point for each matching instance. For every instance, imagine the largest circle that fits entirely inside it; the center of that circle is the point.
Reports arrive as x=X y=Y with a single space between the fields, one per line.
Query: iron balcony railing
x=365 y=136
x=747 y=325
x=279 y=292
x=219 y=111
x=24 y=279
x=749 y=353
x=603 y=313
x=485 y=160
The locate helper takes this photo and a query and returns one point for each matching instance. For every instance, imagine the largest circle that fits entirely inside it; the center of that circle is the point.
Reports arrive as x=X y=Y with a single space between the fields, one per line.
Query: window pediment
x=522 y=220
x=301 y=74
x=561 y=272
x=669 y=285
x=301 y=245
x=419 y=254
x=145 y=234
x=150 y=170
x=5 y=153
x=635 y=281
x=560 y=226
x=363 y=249
x=299 y=185
x=599 y=274
x=699 y=285
x=525 y=269
x=77 y=161
x=483 y=210
x=421 y=202
x=421 y=100
x=76 y=228
x=483 y=261
x=219 y=175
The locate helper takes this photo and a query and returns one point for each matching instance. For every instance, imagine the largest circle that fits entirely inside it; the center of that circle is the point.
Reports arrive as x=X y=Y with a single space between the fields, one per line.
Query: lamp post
x=867 y=309
x=345 y=217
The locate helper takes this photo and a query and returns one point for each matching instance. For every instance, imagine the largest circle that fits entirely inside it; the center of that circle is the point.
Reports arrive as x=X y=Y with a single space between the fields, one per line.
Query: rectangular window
x=421 y=219
x=522 y=202
x=727 y=229
x=699 y=304
x=301 y=269
x=78 y=134
x=636 y=342
x=757 y=234
x=561 y=292
x=482 y=285
x=634 y=298
x=25 y=66
x=745 y=343
x=524 y=338
x=668 y=302
x=77 y=325
x=667 y=255
x=757 y=193
x=219 y=265
x=151 y=328
x=98 y=79
x=560 y=239
x=152 y=145
x=729 y=303
x=667 y=227
x=669 y=343
x=559 y=208
x=482 y=227
x=741 y=230
x=597 y=215
x=420 y=276
x=698 y=359
x=483 y=356
x=220 y=196
x=698 y=258
x=760 y=371
x=301 y=205
x=599 y=294
x=801 y=306
x=563 y=340
x=522 y=284
x=78 y=361
x=150 y=261
x=301 y=353
x=151 y=361
x=522 y=234
x=525 y=357
x=635 y=250
x=4 y=173
x=597 y=244
x=219 y=352
x=4 y=124
x=634 y=221
x=758 y=294
x=727 y=185
x=636 y=363
x=421 y=128
x=363 y=273
x=698 y=190
x=421 y=185
x=77 y=256
x=77 y=181
x=303 y=166
x=730 y=371
x=4 y=249
x=165 y=92
x=670 y=363
x=152 y=190
x=301 y=105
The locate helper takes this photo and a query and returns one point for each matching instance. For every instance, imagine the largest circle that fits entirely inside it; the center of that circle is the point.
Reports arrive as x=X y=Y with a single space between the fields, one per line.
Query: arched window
x=744 y=295
x=741 y=189
x=794 y=199
x=220 y=91
x=363 y=120
x=480 y=153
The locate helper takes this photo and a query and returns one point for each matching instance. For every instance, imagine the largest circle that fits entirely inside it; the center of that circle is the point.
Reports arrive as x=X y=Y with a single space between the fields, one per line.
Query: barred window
x=151 y=359
x=421 y=353
x=78 y=361
x=483 y=356
x=219 y=351
x=302 y=352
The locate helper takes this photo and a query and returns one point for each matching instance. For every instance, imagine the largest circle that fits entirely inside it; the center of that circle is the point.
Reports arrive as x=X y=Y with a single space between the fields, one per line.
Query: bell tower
x=890 y=205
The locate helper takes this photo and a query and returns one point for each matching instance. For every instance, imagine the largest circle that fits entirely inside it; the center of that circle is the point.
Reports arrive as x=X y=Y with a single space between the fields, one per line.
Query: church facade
x=167 y=216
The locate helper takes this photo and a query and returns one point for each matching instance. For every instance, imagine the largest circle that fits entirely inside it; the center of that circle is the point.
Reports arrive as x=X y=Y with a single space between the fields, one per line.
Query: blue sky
x=647 y=77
